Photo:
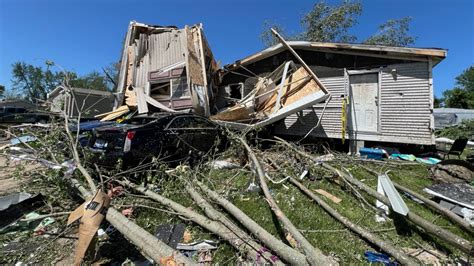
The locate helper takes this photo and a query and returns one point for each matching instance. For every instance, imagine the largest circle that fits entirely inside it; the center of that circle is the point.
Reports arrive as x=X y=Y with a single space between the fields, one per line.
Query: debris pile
x=184 y=189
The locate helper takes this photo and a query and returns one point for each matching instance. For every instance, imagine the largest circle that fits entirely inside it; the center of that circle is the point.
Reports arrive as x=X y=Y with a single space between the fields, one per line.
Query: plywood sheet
x=234 y=113
x=299 y=87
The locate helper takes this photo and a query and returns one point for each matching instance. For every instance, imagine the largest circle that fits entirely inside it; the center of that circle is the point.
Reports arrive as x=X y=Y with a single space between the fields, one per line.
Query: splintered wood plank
x=130 y=97
x=116 y=113
x=328 y=195
x=194 y=61
x=119 y=109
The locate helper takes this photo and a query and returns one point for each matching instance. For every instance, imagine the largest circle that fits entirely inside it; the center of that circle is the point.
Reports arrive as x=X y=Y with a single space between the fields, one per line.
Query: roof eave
x=415 y=54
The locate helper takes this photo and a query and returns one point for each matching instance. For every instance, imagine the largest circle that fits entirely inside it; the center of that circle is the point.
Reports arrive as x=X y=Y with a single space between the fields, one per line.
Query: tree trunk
x=285 y=252
x=144 y=241
x=254 y=250
x=210 y=225
x=386 y=246
x=449 y=237
x=314 y=255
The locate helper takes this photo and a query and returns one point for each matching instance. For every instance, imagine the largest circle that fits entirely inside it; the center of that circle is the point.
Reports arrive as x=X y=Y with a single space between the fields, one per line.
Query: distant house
x=388 y=90
x=446 y=117
x=78 y=100
x=21 y=104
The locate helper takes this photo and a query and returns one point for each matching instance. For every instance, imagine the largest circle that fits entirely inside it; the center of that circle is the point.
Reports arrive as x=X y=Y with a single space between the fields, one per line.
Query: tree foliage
x=35 y=82
x=394 y=32
x=325 y=23
x=462 y=95
x=332 y=23
x=93 y=80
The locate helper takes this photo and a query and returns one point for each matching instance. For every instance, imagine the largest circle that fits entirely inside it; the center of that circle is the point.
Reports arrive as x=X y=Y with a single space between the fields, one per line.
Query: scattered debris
x=197 y=246
x=14 y=206
x=328 y=195
x=459 y=193
x=223 y=164
x=22 y=139
x=90 y=213
x=388 y=189
x=427 y=257
x=373 y=257
x=171 y=234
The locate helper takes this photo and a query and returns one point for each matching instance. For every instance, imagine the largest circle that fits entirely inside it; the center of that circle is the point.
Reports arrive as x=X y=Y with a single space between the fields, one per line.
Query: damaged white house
x=388 y=91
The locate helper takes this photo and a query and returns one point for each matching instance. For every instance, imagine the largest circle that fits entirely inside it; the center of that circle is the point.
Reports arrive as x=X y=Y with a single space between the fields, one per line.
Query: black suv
x=169 y=137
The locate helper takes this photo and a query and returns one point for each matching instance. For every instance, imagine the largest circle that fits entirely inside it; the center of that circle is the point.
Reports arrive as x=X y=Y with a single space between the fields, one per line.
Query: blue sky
x=85 y=35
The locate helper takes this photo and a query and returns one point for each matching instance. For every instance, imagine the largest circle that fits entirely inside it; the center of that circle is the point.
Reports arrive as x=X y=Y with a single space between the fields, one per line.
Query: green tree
x=466 y=79
x=93 y=80
x=34 y=82
x=325 y=23
x=394 y=32
x=462 y=95
x=2 y=90
x=332 y=23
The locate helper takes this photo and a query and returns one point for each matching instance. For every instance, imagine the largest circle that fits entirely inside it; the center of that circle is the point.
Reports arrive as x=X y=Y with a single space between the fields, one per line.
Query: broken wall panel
x=171 y=66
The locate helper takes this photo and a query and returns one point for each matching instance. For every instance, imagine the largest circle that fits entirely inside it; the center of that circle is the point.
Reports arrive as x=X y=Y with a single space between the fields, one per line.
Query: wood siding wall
x=405 y=114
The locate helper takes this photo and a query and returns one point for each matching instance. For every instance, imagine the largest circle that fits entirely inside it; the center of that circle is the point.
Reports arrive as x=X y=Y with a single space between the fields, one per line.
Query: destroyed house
x=377 y=93
x=165 y=69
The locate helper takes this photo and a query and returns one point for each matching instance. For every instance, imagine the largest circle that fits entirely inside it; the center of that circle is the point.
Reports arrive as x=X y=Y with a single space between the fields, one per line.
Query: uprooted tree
x=332 y=23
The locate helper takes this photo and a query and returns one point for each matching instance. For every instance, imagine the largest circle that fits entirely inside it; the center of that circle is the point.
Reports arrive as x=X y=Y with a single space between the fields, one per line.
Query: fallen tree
x=210 y=225
x=314 y=255
x=429 y=227
x=285 y=252
x=386 y=246
x=255 y=250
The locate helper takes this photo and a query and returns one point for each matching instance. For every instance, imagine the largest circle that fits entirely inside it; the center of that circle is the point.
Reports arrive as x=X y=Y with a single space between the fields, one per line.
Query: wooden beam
x=303 y=63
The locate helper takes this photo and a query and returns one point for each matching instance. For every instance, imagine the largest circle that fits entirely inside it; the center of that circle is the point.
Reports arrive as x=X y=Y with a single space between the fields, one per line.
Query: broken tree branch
x=285 y=252
x=149 y=244
x=255 y=250
x=386 y=246
x=431 y=228
x=433 y=205
x=210 y=225
x=314 y=255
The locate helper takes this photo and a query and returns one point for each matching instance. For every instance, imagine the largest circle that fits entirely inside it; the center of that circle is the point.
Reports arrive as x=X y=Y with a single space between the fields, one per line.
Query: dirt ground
x=10 y=183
